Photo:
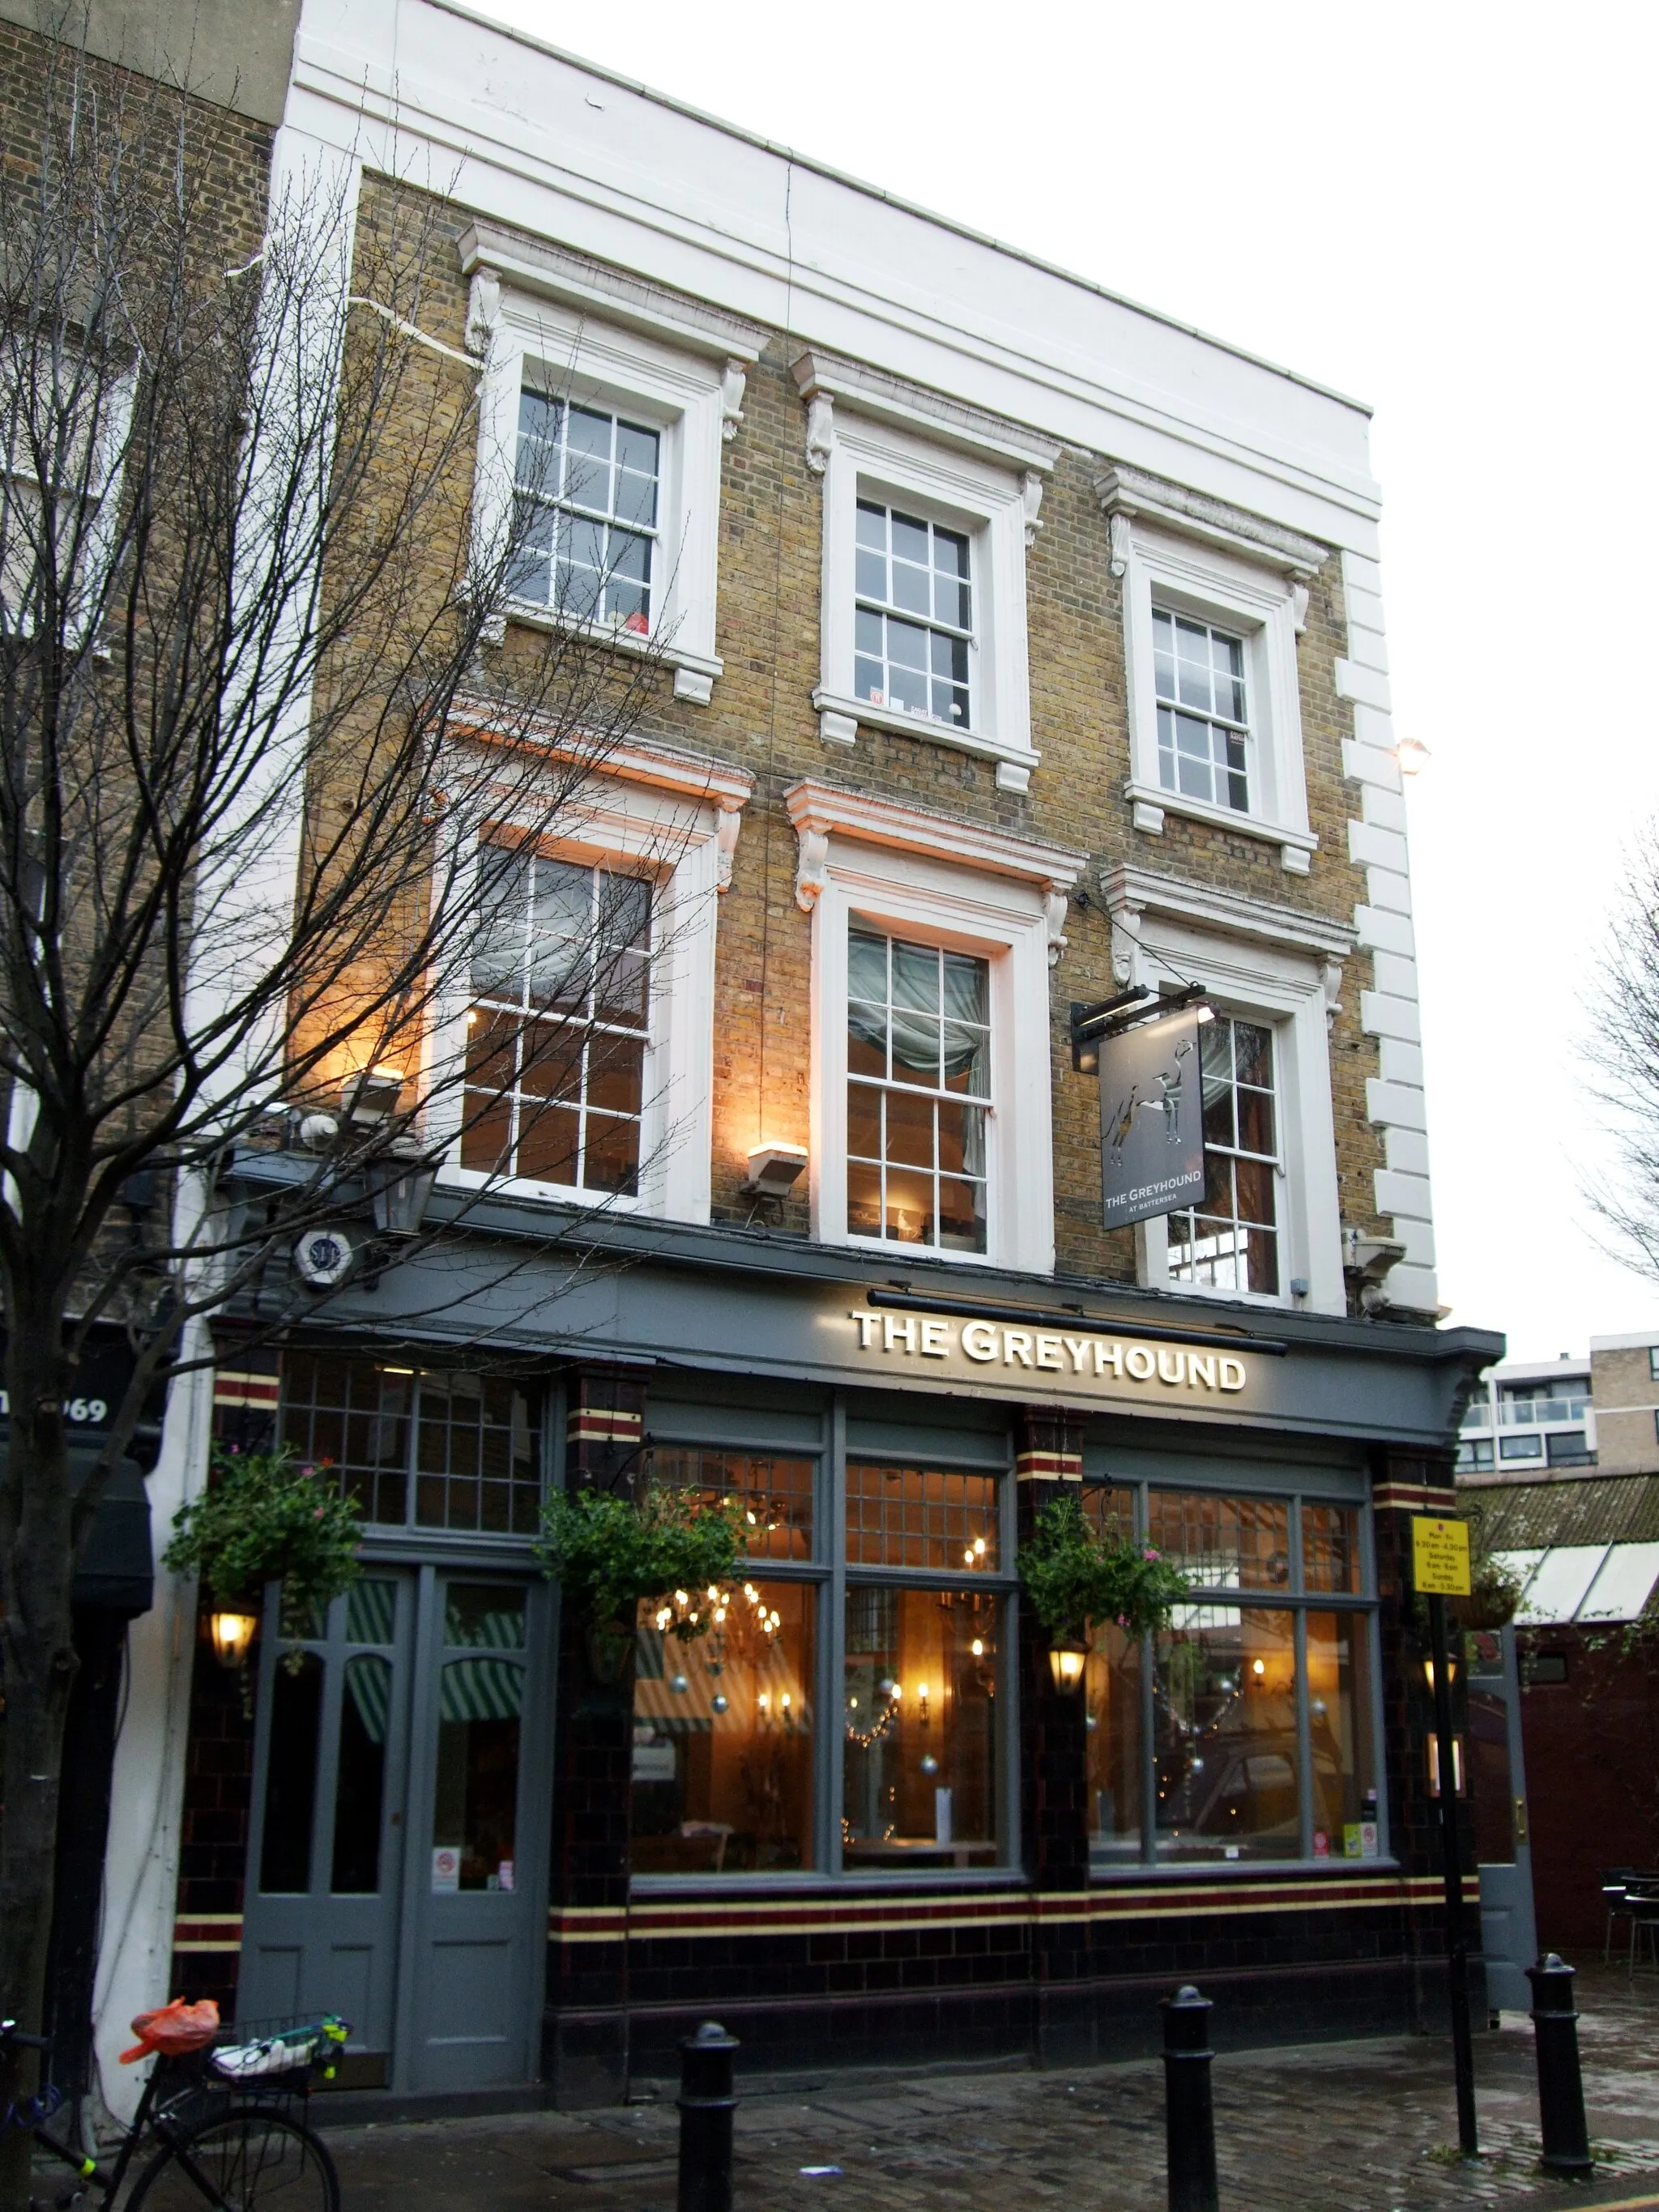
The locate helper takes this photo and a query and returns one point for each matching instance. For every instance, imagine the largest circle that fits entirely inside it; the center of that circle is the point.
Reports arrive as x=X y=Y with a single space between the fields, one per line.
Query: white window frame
x=677 y=820
x=681 y=395
x=101 y=496
x=1263 y=605
x=872 y=440
x=1287 y=986
x=934 y=881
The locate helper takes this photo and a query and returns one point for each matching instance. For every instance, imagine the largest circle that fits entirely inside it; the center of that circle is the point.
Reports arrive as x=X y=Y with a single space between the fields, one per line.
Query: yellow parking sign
x=1440 y=1557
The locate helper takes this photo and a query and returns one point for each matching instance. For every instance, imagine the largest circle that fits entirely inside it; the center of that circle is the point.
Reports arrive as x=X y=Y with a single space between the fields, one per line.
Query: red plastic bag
x=173 y=2028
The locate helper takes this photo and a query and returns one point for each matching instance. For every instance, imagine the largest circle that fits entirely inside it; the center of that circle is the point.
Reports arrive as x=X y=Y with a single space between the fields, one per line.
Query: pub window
x=725 y=1757
x=1246 y=1731
x=922 y=1760
x=422 y=1448
x=732 y=1763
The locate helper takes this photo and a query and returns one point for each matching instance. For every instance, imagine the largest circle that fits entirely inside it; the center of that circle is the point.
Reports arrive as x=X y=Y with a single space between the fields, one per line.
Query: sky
x=1448 y=212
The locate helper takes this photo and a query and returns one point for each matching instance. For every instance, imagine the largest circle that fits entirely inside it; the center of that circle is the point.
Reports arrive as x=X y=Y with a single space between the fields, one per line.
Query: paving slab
x=1346 y=2127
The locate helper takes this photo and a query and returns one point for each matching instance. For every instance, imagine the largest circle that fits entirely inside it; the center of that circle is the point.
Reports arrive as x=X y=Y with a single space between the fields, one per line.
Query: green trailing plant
x=264 y=1517
x=607 y=1552
x=1076 y=1578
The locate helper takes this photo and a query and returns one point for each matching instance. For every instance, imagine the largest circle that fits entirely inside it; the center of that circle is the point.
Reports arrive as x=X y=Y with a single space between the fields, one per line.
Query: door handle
x=1520 y=1820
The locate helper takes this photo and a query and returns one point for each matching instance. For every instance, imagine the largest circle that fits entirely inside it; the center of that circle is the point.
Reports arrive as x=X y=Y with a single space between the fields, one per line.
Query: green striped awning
x=480 y=1690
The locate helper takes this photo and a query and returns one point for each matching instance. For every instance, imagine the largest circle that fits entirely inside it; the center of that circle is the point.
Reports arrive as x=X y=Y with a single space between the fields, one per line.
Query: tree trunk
x=37 y=1653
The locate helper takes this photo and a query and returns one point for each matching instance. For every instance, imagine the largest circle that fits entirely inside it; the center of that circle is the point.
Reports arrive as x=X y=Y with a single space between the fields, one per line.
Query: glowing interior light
x=852 y=1704
x=978 y=1648
x=968 y=1557
x=921 y=1689
x=712 y=1595
x=979 y=1545
x=897 y=1692
x=720 y=1614
x=682 y=1597
x=784 y=1701
x=1258 y=1666
x=765 y=1701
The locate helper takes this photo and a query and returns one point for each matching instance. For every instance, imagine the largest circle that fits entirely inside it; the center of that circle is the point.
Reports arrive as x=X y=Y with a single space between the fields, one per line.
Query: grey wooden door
x=474 y=1932
x=321 y=1916
x=1498 y=1778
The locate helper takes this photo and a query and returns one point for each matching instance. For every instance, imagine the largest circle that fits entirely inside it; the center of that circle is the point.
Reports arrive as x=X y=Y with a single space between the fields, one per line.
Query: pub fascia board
x=648 y=1286
x=793 y=1330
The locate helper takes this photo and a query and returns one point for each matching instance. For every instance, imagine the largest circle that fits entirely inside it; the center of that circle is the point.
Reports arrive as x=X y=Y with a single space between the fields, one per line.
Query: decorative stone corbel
x=1299 y=607
x=1031 y=489
x=1126 y=942
x=812 y=869
x=1332 y=985
x=734 y=379
x=820 y=432
x=1054 y=903
x=484 y=308
x=727 y=821
x=1123 y=536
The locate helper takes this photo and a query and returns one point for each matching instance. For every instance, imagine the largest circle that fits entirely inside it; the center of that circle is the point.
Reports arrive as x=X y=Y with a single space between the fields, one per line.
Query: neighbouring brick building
x=1559 y=1460
x=206 y=81
x=1022 y=648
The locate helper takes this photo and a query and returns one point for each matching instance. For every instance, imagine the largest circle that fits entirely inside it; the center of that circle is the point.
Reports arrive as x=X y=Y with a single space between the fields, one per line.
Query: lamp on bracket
x=399 y=1198
x=774 y=1169
x=370 y=1097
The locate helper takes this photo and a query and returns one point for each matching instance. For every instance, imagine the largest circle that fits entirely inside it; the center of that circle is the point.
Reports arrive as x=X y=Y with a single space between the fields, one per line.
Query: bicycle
x=220 y=2121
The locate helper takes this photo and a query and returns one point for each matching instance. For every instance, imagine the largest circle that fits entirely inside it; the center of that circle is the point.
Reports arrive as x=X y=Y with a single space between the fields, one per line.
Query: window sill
x=1270 y=1302
x=694 y=672
x=1140 y=1871
x=523 y=1187
x=902 y=1254
x=1152 y=803
x=840 y=715
x=806 y=1882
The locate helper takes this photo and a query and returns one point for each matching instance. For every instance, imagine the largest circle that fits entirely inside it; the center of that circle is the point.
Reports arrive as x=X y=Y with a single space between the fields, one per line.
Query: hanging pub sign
x=1151 y=1119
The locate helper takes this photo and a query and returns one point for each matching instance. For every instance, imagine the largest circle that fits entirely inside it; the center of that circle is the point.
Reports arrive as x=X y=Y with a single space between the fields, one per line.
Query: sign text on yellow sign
x=1440 y=1557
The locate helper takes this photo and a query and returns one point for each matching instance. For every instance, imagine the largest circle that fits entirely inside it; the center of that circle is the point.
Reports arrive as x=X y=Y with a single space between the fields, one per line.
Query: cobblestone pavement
x=1366 y=2127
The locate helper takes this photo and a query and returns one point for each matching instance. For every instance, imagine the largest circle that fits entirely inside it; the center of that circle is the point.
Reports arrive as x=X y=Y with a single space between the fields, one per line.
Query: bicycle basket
x=276 y=2057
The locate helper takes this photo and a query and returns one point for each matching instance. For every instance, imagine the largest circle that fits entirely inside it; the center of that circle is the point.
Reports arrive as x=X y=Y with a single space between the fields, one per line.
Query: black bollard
x=1188 y=2113
x=1560 y=2085
x=706 y=2105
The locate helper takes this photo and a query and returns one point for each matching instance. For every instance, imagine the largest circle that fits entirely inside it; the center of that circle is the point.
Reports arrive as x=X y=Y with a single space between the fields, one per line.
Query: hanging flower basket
x=1076 y=1579
x=608 y=1553
x=266 y=1518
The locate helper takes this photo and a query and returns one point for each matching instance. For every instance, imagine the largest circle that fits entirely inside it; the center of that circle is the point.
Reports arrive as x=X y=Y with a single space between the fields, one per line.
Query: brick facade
x=1041 y=1956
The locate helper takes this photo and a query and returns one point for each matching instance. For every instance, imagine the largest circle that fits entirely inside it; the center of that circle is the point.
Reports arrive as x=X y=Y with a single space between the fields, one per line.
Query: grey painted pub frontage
x=857 y=1817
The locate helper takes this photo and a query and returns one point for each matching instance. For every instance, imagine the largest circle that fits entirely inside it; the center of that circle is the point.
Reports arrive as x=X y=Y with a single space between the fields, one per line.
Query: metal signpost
x=1440 y=1570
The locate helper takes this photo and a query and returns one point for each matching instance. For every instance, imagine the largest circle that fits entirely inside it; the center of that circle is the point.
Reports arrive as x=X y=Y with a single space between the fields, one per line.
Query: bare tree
x=1624 y=1053
x=274 y=777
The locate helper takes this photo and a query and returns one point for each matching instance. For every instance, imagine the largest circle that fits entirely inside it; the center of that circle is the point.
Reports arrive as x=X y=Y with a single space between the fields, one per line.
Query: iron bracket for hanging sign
x=1110 y=1017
